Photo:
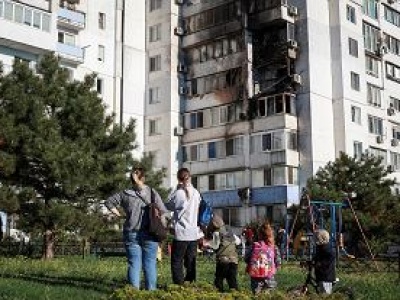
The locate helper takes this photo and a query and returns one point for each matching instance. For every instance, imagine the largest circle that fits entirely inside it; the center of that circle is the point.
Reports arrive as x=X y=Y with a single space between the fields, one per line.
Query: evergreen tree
x=59 y=151
x=367 y=184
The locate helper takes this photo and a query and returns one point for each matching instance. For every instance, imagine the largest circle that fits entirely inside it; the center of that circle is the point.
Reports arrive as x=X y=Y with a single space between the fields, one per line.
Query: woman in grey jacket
x=141 y=248
x=184 y=202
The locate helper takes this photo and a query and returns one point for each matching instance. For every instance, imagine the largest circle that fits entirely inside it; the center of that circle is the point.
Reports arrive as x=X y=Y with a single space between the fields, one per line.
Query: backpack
x=156 y=227
x=205 y=213
x=262 y=261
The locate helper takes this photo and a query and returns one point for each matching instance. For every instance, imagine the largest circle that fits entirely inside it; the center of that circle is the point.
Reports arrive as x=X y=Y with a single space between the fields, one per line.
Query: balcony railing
x=71 y=53
x=71 y=18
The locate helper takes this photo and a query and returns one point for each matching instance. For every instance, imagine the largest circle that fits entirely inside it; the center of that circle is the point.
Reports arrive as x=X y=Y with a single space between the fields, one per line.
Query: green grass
x=77 y=278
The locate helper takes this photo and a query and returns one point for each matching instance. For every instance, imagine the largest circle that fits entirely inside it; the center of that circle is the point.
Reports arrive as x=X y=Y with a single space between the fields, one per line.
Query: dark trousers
x=226 y=271
x=183 y=254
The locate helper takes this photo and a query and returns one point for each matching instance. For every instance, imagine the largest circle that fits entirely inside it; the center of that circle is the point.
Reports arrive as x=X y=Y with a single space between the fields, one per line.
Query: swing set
x=322 y=214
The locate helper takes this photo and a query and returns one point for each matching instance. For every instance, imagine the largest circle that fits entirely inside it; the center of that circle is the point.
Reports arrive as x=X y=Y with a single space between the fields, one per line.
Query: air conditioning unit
x=296 y=78
x=292 y=44
x=182 y=68
x=178 y=131
x=391 y=111
x=182 y=90
x=394 y=142
x=379 y=139
x=292 y=53
x=179 y=2
x=292 y=11
x=179 y=31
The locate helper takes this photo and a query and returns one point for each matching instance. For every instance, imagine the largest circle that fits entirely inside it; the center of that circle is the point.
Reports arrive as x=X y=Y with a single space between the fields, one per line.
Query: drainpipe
x=121 y=107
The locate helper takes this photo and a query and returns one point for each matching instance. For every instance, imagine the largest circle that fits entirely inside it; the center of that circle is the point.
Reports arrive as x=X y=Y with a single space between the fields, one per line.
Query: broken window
x=218 y=49
x=261 y=107
x=210 y=51
x=203 y=53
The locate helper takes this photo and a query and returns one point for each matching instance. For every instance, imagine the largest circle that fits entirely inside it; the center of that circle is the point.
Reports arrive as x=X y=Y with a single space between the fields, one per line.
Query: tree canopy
x=370 y=189
x=60 y=153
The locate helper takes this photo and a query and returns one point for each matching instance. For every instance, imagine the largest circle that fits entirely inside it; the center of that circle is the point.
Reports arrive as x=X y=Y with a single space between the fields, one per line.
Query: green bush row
x=204 y=292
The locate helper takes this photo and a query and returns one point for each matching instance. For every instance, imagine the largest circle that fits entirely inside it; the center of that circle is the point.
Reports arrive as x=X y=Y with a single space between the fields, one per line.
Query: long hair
x=183 y=177
x=266 y=234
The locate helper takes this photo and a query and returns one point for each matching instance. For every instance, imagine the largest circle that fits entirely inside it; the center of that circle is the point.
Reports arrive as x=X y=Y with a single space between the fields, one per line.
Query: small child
x=263 y=259
x=224 y=242
x=324 y=262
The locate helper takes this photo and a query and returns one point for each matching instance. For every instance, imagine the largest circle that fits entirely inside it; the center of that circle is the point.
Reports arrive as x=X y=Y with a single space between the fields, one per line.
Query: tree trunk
x=48 y=244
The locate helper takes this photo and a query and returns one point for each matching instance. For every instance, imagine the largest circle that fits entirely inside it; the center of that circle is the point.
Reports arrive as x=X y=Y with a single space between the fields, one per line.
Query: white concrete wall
x=134 y=68
x=165 y=145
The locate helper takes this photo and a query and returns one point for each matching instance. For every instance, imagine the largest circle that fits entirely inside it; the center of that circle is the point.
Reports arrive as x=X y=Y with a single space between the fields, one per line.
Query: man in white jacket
x=184 y=203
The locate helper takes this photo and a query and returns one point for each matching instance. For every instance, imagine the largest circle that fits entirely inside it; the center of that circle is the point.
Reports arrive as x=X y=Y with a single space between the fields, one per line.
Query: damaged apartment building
x=240 y=129
x=254 y=96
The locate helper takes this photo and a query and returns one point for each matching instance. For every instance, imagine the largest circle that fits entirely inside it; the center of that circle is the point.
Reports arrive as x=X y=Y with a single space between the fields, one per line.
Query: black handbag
x=156 y=227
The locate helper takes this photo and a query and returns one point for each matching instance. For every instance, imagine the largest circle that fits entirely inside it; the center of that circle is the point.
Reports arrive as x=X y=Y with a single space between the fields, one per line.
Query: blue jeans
x=141 y=252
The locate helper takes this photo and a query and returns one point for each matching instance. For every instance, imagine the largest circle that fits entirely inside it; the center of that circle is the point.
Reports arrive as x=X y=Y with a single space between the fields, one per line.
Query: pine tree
x=60 y=154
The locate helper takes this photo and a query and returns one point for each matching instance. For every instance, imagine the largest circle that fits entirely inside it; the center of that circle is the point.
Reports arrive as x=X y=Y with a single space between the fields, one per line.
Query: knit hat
x=217 y=222
x=321 y=237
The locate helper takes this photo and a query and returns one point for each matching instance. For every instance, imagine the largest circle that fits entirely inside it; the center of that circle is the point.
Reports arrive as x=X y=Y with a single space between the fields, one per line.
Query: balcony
x=71 y=54
x=71 y=19
x=26 y=28
x=217 y=165
x=268 y=195
x=272 y=16
x=277 y=157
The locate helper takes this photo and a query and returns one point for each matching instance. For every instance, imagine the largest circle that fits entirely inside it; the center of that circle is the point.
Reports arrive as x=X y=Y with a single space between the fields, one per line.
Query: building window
x=374 y=95
x=355 y=81
x=155 y=63
x=395 y=160
x=66 y=38
x=353 y=47
x=102 y=20
x=155 y=4
x=371 y=38
x=278 y=104
x=99 y=86
x=370 y=8
x=395 y=103
x=351 y=14
x=379 y=153
x=154 y=127
x=371 y=66
x=393 y=45
x=196 y=120
x=154 y=95
x=155 y=33
x=101 y=53
x=212 y=150
x=357 y=149
x=234 y=146
x=392 y=72
x=211 y=182
x=375 y=125
x=356 y=114
x=392 y=16
x=396 y=132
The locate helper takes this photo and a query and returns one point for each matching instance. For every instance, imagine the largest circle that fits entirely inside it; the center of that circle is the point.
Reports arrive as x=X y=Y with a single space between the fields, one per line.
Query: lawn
x=92 y=278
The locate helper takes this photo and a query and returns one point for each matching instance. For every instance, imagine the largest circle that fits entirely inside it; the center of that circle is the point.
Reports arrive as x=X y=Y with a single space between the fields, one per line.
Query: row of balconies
x=41 y=37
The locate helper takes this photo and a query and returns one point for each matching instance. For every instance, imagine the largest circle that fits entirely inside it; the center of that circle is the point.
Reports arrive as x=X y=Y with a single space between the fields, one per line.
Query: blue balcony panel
x=70 y=53
x=280 y=194
x=222 y=198
x=269 y=195
x=71 y=17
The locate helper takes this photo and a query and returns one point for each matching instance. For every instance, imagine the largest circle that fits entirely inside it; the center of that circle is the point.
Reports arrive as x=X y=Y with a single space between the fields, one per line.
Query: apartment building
x=104 y=37
x=268 y=91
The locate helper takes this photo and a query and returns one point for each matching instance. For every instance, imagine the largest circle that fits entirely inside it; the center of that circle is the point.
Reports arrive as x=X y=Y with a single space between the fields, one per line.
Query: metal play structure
x=321 y=214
